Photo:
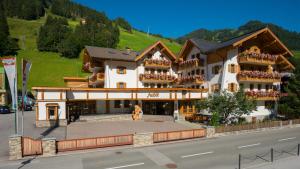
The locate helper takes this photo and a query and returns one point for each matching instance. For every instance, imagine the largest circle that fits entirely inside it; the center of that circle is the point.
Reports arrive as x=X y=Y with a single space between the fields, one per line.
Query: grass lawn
x=296 y=54
x=139 y=41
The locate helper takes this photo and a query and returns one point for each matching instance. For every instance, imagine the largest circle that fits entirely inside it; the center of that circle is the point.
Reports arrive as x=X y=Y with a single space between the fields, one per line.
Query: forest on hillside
x=95 y=28
x=290 y=38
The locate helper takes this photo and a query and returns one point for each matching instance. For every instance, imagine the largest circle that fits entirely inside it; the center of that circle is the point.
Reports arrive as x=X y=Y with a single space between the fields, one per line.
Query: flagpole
x=16 y=98
x=22 y=104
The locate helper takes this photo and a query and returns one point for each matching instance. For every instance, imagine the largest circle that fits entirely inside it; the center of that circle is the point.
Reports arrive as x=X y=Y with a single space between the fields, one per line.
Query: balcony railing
x=190 y=63
x=197 y=79
x=258 y=76
x=263 y=95
x=156 y=63
x=156 y=78
x=257 y=58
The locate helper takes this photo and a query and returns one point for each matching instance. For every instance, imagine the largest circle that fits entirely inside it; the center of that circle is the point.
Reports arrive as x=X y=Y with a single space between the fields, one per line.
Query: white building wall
x=61 y=110
x=229 y=77
x=112 y=77
x=214 y=78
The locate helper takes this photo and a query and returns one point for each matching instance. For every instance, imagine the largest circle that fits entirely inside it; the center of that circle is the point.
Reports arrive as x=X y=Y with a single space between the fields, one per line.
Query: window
x=52 y=111
x=216 y=69
x=198 y=56
x=198 y=71
x=267 y=87
x=117 y=104
x=158 y=85
x=202 y=72
x=165 y=86
x=121 y=85
x=251 y=86
x=146 y=85
x=193 y=72
x=152 y=85
x=193 y=56
x=232 y=87
x=232 y=68
x=259 y=86
x=215 y=87
x=126 y=103
x=121 y=70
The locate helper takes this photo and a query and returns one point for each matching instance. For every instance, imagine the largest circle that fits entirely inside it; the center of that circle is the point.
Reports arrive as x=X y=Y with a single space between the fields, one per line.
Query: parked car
x=27 y=107
x=4 y=110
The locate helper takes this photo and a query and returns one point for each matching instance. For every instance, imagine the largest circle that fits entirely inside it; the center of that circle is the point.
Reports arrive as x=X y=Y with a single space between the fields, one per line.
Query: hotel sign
x=153 y=94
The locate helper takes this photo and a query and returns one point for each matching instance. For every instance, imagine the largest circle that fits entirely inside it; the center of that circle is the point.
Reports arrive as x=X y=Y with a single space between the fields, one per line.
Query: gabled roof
x=109 y=53
x=163 y=47
x=204 y=45
x=240 y=39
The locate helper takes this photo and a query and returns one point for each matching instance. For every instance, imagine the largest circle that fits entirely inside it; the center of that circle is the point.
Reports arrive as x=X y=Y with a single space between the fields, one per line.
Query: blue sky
x=174 y=18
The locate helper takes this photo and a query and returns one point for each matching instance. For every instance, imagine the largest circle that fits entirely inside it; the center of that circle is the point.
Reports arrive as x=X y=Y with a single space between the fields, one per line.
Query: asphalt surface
x=215 y=153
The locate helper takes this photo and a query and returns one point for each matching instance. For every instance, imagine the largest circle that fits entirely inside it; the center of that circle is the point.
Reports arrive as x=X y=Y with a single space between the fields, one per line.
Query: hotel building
x=163 y=83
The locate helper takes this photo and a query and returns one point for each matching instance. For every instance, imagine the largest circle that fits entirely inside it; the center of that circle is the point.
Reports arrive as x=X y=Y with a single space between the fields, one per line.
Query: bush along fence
x=249 y=161
x=221 y=130
x=20 y=146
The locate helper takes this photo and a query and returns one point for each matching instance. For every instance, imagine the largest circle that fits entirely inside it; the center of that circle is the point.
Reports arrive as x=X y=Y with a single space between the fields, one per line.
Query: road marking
x=285 y=139
x=198 y=154
x=125 y=166
x=250 y=145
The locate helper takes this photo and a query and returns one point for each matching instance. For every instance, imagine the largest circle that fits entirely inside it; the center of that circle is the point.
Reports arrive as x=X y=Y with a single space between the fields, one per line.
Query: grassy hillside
x=139 y=41
x=48 y=68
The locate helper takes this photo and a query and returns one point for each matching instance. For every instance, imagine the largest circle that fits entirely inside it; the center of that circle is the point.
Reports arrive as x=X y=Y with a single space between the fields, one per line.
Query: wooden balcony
x=263 y=95
x=257 y=59
x=76 y=81
x=190 y=63
x=97 y=78
x=156 y=63
x=100 y=77
x=156 y=78
x=257 y=76
x=196 y=79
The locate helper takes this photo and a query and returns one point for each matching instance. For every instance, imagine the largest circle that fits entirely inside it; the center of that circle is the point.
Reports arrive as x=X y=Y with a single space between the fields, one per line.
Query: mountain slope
x=291 y=39
x=49 y=68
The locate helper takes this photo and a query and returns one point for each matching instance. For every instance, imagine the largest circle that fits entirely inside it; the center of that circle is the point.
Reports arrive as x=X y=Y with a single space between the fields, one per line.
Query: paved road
x=7 y=129
x=216 y=153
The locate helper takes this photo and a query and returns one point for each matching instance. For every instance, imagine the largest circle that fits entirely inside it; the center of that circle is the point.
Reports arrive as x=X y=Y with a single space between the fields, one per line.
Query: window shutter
x=235 y=87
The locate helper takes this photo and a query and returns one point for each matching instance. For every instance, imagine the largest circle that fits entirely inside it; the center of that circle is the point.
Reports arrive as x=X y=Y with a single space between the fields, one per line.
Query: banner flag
x=26 y=66
x=10 y=64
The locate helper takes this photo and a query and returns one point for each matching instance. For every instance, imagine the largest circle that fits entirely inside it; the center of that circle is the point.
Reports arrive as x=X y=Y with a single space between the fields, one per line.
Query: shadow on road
x=26 y=162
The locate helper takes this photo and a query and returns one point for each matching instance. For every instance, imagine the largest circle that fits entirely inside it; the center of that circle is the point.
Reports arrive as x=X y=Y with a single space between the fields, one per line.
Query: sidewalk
x=285 y=163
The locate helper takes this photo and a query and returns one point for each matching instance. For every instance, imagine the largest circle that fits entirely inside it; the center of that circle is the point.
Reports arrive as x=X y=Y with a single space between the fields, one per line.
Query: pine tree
x=7 y=45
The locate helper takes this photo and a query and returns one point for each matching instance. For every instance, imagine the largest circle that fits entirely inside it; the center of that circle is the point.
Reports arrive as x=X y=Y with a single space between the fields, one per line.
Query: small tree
x=215 y=119
x=228 y=105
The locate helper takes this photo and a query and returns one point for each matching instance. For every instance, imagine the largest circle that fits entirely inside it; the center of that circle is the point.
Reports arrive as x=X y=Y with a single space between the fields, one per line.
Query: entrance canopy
x=49 y=93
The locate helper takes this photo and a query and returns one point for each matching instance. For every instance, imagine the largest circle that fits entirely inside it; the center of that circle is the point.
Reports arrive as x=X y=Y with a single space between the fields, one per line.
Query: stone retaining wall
x=49 y=146
x=46 y=123
x=94 y=118
x=142 y=139
x=15 y=147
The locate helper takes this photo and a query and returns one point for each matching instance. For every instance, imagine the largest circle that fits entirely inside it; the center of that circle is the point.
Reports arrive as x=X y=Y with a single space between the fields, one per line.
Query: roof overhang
x=164 y=49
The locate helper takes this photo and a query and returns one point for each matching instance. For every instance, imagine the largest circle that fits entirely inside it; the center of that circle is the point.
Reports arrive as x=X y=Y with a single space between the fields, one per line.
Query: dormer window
x=121 y=70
